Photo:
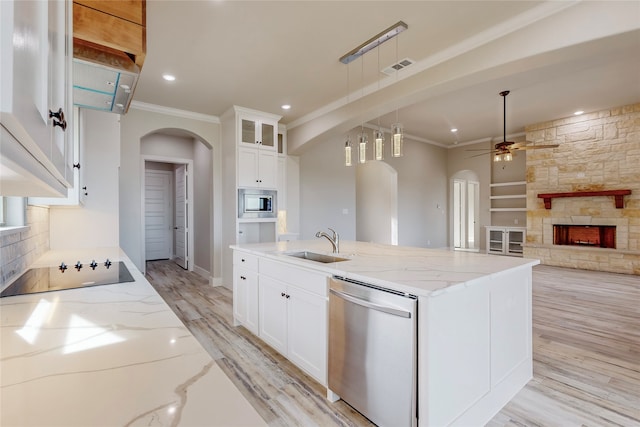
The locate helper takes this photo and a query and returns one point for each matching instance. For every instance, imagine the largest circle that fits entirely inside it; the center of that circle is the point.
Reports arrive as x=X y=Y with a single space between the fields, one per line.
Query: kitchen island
x=474 y=316
x=108 y=355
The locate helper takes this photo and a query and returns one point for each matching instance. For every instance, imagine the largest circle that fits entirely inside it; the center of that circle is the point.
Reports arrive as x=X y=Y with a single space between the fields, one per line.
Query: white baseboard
x=215 y=281
x=201 y=272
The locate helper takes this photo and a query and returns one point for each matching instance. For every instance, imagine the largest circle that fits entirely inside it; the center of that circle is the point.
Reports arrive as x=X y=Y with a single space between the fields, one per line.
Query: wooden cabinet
x=36 y=97
x=245 y=291
x=257 y=168
x=505 y=240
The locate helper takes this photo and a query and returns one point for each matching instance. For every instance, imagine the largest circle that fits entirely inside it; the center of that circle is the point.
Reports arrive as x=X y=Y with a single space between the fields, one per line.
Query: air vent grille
x=404 y=63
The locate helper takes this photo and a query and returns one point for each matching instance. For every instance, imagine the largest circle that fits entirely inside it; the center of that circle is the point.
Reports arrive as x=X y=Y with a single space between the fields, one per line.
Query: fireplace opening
x=599 y=236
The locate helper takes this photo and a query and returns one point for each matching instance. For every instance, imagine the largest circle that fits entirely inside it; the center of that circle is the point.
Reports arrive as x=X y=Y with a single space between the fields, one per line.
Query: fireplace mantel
x=617 y=194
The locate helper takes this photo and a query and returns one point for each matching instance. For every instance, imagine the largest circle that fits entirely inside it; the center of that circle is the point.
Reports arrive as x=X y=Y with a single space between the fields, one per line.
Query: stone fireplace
x=586 y=225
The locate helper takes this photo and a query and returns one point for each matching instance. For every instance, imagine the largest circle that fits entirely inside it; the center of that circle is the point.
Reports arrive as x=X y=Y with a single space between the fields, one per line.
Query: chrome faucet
x=335 y=240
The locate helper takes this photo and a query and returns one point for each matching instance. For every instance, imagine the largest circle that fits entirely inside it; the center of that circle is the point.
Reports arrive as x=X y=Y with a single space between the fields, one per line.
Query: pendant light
x=378 y=144
x=347 y=143
x=363 y=141
x=347 y=151
x=378 y=134
x=363 y=138
x=397 y=131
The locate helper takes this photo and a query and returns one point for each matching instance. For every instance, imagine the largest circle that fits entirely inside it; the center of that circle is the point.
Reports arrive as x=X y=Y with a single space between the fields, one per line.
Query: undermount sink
x=312 y=256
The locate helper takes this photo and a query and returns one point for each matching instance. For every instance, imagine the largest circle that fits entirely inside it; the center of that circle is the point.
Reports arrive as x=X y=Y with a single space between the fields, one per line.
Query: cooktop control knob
x=107 y=263
x=62 y=267
x=93 y=264
x=78 y=265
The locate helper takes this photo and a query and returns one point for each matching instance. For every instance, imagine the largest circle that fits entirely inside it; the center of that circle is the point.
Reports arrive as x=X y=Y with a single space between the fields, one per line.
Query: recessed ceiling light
x=168 y=77
x=454 y=130
x=577 y=113
x=286 y=107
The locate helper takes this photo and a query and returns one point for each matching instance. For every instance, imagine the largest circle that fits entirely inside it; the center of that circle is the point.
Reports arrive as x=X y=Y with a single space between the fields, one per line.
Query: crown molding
x=174 y=112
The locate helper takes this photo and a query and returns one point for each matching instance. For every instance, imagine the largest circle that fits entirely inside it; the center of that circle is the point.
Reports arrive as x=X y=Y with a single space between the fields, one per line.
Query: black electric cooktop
x=46 y=279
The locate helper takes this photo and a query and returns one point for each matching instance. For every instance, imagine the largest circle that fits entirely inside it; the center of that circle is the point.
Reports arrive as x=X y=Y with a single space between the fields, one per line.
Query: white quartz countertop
x=419 y=271
x=110 y=355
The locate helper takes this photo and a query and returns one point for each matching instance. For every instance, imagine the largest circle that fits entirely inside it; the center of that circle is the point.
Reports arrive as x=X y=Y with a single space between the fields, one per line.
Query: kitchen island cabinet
x=474 y=319
x=108 y=355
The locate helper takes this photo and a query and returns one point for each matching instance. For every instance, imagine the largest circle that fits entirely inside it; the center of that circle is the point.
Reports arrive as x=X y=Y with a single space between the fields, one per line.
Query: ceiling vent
x=404 y=63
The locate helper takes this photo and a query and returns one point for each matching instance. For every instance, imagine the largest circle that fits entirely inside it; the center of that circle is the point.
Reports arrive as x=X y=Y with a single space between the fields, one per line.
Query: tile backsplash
x=19 y=250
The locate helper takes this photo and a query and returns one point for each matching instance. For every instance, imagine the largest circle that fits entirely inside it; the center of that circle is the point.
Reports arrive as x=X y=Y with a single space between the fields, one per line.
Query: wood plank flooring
x=586 y=345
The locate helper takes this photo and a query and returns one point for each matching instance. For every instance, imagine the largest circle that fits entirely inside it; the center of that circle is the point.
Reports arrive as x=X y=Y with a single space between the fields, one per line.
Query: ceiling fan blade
x=479 y=149
x=534 y=147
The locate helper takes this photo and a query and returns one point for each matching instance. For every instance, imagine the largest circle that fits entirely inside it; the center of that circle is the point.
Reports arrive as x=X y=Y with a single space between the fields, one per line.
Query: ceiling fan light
x=497 y=157
x=508 y=157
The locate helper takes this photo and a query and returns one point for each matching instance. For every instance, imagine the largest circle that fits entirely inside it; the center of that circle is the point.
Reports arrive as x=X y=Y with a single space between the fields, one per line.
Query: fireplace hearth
x=596 y=236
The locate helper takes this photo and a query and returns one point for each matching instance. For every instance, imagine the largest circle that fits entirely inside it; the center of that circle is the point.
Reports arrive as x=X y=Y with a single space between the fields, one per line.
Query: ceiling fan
x=505 y=150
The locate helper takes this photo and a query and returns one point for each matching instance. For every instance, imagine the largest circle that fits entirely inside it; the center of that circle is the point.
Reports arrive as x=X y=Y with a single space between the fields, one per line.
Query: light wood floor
x=586 y=350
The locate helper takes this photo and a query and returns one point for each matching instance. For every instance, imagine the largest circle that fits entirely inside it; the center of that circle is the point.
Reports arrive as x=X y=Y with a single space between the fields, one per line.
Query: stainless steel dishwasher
x=373 y=351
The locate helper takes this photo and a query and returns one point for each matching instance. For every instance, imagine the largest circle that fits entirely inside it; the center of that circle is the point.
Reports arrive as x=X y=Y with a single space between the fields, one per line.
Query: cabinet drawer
x=310 y=281
x=245 y=260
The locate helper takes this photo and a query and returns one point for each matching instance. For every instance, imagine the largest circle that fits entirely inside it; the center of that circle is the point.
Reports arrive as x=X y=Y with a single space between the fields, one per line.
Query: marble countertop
x=419 y=271
x=108 y=355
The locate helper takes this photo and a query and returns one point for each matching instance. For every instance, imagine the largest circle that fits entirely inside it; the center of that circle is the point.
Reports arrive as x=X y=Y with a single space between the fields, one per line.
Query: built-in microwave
x=253 y=203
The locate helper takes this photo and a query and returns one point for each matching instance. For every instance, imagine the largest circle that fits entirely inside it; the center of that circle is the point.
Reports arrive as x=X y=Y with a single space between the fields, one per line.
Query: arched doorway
x=377 y=203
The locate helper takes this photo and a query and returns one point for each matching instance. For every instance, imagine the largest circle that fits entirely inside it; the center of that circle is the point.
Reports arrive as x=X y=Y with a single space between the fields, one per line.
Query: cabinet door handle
x=288 y=296
x=58 y=115
x=62 y=124
x=242 y=259
x=282 y=294
x=243 y=278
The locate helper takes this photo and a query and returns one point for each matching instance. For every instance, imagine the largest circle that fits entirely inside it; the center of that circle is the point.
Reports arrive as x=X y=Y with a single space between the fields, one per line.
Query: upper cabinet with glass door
x=258 y=131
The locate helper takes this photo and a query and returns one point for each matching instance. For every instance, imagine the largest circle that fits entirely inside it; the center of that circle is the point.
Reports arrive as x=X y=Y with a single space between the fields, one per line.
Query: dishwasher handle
x=383 y=308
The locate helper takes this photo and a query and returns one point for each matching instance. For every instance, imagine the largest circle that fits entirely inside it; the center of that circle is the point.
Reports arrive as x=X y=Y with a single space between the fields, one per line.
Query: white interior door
x=181 y=226
x=158 y=214
x=466 y=228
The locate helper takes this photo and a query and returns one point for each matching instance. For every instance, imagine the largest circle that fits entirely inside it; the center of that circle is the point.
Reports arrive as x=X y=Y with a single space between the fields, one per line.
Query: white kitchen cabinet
x=287 y=305
x=245 y=291
x=258 y=130
x=294 y=322
x=505 y=240
x=77 y=194
x=36 y=86
x=257 y=168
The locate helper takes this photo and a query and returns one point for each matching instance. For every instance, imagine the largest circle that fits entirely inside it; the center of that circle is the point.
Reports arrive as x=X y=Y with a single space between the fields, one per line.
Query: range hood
x=103 y=79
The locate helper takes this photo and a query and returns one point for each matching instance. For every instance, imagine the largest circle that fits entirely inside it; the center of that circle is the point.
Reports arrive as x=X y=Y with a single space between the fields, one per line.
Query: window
x=12 y=212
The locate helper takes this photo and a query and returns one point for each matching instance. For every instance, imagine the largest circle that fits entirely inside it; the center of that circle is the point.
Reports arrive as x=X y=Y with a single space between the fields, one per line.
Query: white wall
x=203 y=197
x=422 y=195
x=96 y=223
x=135 y=125
x=460 y=159
x=327 y=187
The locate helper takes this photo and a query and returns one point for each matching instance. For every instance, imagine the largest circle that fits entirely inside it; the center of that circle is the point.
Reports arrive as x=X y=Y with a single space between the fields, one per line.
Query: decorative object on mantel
x=618 y=194
x=502 y=151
